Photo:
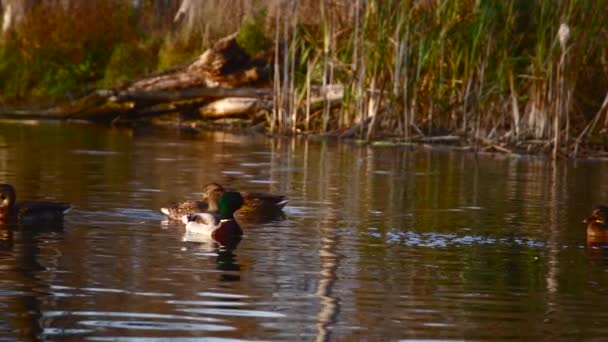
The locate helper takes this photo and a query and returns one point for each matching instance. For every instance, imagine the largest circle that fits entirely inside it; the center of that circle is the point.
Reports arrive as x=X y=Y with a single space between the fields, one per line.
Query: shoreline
x=453 y=142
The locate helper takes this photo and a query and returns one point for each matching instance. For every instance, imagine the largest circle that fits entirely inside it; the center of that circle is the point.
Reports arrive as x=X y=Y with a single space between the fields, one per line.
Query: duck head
x=7 y=196
x=7 y=199
x=212 y=194
x=599 y=216
x=230 y=202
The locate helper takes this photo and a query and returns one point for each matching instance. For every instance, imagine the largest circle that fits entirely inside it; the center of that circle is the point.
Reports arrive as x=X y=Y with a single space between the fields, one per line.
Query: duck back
x=176 y=211
x=40 y=212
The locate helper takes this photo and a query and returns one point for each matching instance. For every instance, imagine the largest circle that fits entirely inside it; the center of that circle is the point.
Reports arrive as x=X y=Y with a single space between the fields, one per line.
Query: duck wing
x=175 y=211
x=263 y=198
x=260 y=207
x=201 y=223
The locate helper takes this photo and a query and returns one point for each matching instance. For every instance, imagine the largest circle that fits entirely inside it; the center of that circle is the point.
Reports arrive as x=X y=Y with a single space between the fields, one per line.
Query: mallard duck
x=221 y=226
x=257 y=207
x=212 y=191
x=597 y=223
x=12 y=211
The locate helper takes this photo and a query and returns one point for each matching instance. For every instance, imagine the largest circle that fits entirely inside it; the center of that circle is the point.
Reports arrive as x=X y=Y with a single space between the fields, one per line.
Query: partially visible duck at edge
x=29 y=212
x=176 y=211
x=597 y=223
x=257 y=207
x=222 y=226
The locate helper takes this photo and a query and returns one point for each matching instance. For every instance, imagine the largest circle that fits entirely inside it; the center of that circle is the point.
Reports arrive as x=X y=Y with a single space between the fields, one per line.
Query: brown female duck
x=176 y=211
x=597 y=223
x=32 y=212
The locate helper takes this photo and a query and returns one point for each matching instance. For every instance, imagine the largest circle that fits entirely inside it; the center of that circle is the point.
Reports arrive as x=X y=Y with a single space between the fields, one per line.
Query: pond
x=378 y=243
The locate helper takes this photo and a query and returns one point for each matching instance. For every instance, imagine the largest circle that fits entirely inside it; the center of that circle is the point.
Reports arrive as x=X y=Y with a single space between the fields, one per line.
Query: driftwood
x=233 y=106
x=441 y=139
x=223 y=83
x=223 y=71
x=188 y=94
x=224 y=65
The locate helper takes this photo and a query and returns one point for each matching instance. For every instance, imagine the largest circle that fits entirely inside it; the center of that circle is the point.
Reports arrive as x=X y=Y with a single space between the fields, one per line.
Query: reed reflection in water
x=379 y=243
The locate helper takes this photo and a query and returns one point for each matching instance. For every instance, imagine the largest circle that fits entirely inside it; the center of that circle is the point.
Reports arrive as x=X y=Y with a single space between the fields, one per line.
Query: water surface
x=379 y=243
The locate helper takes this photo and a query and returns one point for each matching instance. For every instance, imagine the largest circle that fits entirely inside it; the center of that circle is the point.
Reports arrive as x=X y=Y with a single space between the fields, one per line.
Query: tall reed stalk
x=488 y=70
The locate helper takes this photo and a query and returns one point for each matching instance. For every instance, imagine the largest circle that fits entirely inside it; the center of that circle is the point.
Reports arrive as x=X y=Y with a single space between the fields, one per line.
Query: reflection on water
x=378 y=243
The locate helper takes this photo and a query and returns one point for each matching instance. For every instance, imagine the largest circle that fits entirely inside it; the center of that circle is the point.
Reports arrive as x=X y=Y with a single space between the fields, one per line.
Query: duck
x=221 y=226
x=597 y=223
x=29 y=212
x=258 y=207
x=176 y=211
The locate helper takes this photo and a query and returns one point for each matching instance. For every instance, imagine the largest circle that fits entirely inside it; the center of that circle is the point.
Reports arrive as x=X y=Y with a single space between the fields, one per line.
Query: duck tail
x=165 y=211
x=282 y=203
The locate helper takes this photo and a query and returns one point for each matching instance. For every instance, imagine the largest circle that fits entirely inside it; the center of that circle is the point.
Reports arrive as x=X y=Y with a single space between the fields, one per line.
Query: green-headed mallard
x=597 y=223
x=221 y=226
x=258 y=206
x=26 y=212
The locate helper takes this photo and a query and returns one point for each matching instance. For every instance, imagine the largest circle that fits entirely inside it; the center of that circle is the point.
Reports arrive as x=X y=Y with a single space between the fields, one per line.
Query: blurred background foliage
x=477 y=67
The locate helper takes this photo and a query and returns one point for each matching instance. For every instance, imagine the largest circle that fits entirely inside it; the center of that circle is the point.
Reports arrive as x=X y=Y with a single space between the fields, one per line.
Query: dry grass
x=484 y=69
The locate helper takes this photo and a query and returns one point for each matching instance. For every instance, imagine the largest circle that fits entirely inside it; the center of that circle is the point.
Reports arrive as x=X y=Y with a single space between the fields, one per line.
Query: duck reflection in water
x=226 y=258
x=219 y=232
x=29 y=213
x=23 y=313
x=224 y=249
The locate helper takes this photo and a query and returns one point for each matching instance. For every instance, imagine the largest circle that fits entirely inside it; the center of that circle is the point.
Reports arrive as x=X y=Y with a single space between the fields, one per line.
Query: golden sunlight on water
x=377 y=243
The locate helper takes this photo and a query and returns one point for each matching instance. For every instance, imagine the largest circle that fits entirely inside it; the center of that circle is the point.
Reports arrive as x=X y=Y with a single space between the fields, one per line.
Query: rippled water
x=379 y=243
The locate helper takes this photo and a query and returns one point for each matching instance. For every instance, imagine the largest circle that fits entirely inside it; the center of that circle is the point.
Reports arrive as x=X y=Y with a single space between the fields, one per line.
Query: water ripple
x=53 y=314
x=205 y=303
x=164 y=339
x=222 y=295
x=136 y=321
x=108 y=290
x=96 y=152
x=411 y=238
x=155 y=325
x=235 y=312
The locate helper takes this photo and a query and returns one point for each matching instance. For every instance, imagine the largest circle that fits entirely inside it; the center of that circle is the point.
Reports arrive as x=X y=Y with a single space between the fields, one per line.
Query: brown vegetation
x=511 y=75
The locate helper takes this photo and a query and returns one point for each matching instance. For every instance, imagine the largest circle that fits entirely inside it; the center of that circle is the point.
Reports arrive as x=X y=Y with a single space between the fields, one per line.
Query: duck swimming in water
x=257 y=207
x=212 y=191
x=220 y=226
x=34 y=212
x=597 y=223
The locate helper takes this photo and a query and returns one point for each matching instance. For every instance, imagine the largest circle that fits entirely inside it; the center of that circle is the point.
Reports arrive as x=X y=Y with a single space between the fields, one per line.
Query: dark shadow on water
x=597 y=251
x=22 y=241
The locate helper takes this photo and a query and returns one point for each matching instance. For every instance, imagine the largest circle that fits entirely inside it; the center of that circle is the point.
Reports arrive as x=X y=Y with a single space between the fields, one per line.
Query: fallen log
x=223 y=82
x=22 y=113
x=501 y=149
x=224 y=65
x=188 y=94
x=440 y=139
x=233 y=106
